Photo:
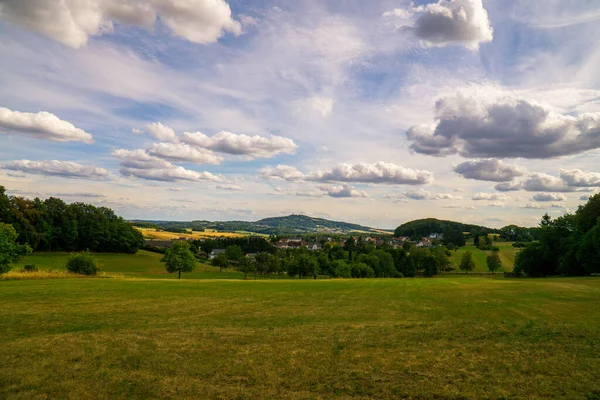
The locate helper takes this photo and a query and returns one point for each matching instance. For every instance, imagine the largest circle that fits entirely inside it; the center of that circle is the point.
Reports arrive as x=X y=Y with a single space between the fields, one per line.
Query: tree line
x=53 y=225
x=567 y=245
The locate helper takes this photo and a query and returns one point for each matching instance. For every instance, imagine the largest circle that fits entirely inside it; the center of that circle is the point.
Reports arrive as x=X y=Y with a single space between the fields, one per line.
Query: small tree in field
x=83 y=263
x=493 y=261
x=220 y=261
x=10 y=251
x=466 y=263
x=246 y=265
x=179 y=258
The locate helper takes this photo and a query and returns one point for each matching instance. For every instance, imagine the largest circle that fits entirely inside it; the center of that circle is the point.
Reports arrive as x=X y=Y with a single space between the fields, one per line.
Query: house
x=215 y=253
x=436 y=235
x=313 y=246
x=159 y=244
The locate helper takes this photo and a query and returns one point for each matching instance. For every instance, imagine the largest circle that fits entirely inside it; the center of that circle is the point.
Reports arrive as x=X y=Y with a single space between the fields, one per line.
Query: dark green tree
x=466 y=262
x=10 y=250
x=493 y=261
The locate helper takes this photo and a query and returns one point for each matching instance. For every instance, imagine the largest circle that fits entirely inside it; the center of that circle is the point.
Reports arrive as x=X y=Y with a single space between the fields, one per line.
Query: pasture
x=507 y=255
x=451 y=337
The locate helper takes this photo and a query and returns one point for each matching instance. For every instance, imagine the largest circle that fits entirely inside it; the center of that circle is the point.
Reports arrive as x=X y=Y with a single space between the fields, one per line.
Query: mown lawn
x=444 y=338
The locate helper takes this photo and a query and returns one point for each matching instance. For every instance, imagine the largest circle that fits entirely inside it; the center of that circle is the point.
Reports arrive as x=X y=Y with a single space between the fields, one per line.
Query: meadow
x=507 y=255
x=439 y=338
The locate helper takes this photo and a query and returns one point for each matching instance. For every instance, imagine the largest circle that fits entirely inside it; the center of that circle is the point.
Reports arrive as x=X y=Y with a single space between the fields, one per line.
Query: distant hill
x=291 y=224
x=423 y=227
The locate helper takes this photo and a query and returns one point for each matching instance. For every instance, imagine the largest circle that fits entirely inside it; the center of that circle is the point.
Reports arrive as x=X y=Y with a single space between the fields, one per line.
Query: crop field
x=507 y=256
x=455 y=337
x=150 y=233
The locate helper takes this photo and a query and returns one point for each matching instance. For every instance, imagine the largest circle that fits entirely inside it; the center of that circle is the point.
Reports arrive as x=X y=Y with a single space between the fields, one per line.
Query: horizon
x=362 y=112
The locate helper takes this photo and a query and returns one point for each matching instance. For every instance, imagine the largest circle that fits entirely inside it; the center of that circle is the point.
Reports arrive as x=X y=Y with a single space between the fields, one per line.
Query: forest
x=53 y=225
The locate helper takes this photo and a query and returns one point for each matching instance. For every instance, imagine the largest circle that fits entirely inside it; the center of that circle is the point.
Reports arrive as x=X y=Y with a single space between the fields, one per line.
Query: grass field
x=443 y=338
x=507 y=256
x=144 y=264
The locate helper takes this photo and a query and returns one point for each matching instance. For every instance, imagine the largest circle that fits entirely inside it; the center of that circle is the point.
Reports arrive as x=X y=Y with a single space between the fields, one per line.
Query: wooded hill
x=423 y=227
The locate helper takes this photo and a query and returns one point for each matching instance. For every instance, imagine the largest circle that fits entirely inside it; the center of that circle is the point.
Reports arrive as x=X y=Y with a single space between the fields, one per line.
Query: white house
x=215 y=253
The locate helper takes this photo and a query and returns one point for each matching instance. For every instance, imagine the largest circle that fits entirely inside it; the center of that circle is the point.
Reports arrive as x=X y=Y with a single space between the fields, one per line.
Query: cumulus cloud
x=72 y=22
x=460 y=206
x=463 y=22
x=184 y=153
x=231 y=143
x=544 y=196
x=162 y=132
x=497 y=204
x=139 y=164
x=379 y=172
x=229 y=187
x=578 y=178
x=65 y=169
x=282 y=172
x=508 y=186
x=540 y=182
x=505 y=127
x=446 y=196
x=84 y=194
x=490 y=197
x=41 y=125
x=417 y=194
x=488 y=170
x=341 y=191
x=310 y=193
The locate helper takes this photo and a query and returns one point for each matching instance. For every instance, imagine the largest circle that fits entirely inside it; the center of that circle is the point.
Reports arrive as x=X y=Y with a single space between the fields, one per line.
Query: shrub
x=83 y=263
x=31 y=268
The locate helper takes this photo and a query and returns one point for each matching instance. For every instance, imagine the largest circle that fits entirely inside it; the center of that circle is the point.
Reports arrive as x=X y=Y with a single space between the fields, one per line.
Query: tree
x=262 y=262
x=220 y=261
x=10 y=251
x=82 y=263
x=179 y=258
x=493 y=261
x=476 y=240
x=466 y=263
x=350 y=246
x=430 y=266
x=234 y=253
x=246 y=266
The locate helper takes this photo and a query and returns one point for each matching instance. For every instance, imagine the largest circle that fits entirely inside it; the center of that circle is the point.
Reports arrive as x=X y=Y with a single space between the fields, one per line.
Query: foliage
x=220 y=261
x=342 y=269
x=246 y=266
x=454 y=237
x=31 y=268
x=179 y=258
x=248 y=244
x=493 y=261
x=466 y=263
x=53 y=225
x=423 y=227
x=10 y=251
x=83 y=263
x=234 y=253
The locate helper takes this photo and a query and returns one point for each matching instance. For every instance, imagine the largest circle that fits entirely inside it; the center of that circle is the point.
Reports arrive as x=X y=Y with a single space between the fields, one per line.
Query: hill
x=423 y=227
x=291 y=224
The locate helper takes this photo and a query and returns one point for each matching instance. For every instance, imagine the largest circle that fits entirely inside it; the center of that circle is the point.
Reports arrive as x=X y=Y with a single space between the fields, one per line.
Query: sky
x=375 y=112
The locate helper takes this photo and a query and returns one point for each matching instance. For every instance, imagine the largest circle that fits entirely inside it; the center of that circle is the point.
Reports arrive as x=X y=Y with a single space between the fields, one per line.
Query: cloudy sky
x=376 y=112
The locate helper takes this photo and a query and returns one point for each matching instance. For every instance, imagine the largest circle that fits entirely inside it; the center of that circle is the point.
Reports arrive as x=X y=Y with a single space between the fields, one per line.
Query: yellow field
x=150 y=233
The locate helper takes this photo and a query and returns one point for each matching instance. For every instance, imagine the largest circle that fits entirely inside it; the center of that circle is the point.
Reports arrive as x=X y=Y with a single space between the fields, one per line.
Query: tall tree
x=466 y=263
x=493 y=261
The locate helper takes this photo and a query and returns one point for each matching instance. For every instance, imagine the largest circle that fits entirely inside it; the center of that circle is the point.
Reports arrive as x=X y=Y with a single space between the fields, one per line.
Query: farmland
x=151 y=233
x=378 y=338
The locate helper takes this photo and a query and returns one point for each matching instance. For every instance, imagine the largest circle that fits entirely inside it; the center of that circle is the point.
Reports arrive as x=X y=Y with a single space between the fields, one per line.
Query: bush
x=83 y=263
x=31 y=268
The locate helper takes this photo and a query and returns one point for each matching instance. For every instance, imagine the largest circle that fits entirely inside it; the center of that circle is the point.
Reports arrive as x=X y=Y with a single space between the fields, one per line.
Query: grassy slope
x=144 y=264
x=424 y=338
x=507 y=256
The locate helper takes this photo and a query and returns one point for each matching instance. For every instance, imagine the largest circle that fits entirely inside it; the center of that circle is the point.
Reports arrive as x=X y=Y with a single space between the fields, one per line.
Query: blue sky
x=374 y=112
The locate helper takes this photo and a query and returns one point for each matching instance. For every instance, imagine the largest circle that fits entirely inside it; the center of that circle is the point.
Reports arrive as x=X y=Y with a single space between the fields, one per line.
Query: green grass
x=507 y=256
x=143 y=264
x=444 y=338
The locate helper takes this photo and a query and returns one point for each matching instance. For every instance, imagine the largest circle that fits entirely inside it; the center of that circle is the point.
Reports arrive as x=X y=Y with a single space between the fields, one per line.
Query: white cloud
x=231 y=143
x=139 y=164
x=447 y=22
x=578 y=178
x=505 y=127
x=490 y=196
x=538 y=206
x=72 y=22
x=341 y=191
x=65 y=169
x=229 y=187
x=379 y=172
x=417 y=194
x=41 y=125
x=184 y=153
x=162 y=132
x=460 y=206
x=137 y=131
x=497 y=204
x=508 y=186
x=544 y=196
x=310 y=193
x=446 y=196
x=488 y=170
x=322 y=105
x=282 y=172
